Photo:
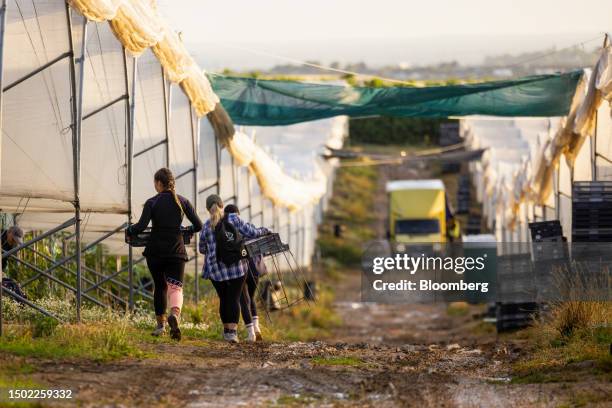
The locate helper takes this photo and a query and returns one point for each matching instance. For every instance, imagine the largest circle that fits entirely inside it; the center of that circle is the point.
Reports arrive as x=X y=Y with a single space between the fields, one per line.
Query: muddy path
x=382 y=355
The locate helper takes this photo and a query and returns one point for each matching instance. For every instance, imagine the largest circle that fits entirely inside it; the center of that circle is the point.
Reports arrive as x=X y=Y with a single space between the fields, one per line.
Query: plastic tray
x=142 y=239
x=265 y=246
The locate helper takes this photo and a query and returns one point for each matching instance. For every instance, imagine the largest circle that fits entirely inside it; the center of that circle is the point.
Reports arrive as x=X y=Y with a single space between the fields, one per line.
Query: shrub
x=43 y=326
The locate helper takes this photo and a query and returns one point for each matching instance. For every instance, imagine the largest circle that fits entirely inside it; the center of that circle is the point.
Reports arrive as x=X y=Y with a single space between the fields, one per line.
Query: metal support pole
x=234 y=181
x=557 y=185
x=2 y=43
x=250 y=195
x=195 y=132
x=166 y=116
x=77 y=116
x=263 y=209
x=40 y=237
x=288 y=213
x=218 y=163
x=594 y=151
x=83 y=250
x=131 y=118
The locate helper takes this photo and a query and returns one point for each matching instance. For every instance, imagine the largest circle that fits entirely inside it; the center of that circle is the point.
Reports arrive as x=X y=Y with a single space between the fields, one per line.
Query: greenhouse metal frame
x=112 y=95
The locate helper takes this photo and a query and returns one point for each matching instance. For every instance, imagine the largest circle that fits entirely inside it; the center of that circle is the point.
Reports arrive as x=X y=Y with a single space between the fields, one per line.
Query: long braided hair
x=166 y=178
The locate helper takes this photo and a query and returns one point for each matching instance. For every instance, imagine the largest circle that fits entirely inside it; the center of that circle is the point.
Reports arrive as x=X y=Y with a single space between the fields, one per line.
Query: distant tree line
x=386 y=130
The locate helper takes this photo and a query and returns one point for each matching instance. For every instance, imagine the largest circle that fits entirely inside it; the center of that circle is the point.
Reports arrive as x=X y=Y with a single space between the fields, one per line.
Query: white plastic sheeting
x=278 y=179
x=37 y=112
x=166 y=97
x=511 y=147
x=527 y=173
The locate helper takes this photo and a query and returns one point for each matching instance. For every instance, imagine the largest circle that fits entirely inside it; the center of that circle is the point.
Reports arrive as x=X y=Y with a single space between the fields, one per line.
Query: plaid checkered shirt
x=218 y=271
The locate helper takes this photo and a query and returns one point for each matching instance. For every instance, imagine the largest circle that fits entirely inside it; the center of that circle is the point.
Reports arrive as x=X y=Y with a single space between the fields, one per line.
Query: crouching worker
x=222 y=243
x=11 y=238
x=165 y=251
x=248 y=306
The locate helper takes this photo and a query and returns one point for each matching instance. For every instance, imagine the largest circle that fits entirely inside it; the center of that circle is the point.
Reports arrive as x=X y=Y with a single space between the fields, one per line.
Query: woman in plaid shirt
x=228 y=280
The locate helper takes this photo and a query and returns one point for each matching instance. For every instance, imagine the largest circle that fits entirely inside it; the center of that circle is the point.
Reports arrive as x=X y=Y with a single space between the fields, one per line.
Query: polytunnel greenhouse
x=98 y=95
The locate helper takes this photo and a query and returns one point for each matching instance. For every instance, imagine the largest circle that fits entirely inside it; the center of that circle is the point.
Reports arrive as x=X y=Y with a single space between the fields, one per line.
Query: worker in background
x=257 y=268
x=222 y=242
x=11 y=238
x=453 y=227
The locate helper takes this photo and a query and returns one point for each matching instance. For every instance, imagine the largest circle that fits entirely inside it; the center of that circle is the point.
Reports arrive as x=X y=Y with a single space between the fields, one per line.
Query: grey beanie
x=213 y=199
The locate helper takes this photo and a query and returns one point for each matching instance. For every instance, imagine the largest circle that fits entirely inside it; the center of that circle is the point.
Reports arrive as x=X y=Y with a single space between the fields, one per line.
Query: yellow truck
x=418 y=211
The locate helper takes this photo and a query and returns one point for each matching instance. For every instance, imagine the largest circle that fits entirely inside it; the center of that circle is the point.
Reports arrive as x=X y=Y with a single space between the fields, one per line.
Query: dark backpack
x=13 y=286
x=230 y=243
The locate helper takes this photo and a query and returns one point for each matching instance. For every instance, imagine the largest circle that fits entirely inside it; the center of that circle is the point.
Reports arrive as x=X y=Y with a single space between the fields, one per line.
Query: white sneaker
x=251 y=337
x=258 y=336
x=159 y=330
x=230 y=337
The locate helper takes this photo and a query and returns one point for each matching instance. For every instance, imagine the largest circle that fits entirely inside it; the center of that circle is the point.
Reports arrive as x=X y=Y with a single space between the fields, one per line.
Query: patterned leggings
x=168 y=274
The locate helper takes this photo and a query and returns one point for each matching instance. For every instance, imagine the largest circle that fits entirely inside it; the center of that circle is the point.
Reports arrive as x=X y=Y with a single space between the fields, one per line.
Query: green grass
x=351 y=206
x=458 y=309
x=14 y=375
x=585 y=398
x=296 y=400
x=304 y=322
x=559 y=344
x=338 y=361
x=101 y=342
x=106 y=335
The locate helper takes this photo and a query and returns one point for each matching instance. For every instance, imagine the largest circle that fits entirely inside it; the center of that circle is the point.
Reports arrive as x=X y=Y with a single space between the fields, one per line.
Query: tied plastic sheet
x=531 y=181
x=576 y=127
x=274 y=183
x=269 y=102
x=137 y=24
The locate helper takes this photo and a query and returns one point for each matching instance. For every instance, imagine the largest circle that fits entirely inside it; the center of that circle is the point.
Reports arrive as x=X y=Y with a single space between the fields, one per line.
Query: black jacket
x=165 y=216
x=5 y=247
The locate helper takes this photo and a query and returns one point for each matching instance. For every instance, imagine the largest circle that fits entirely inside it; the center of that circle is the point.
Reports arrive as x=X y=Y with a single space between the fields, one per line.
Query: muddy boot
x=160 y=329
x=173 y=322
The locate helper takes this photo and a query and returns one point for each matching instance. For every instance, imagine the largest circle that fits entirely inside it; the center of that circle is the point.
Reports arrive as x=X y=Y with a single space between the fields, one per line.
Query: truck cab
x=417 y=211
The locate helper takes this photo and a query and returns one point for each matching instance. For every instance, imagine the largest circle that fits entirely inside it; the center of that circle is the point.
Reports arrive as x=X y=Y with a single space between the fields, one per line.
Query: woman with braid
x=227 y=279
x=165 y=252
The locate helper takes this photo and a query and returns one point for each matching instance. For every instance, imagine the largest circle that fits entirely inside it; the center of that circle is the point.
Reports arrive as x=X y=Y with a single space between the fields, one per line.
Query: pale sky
x=327 y=24
x=266 y=20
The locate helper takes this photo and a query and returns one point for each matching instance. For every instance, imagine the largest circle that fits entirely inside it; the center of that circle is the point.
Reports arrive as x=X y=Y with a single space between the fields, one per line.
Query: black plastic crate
x=474 y=226
x=593 y=234
x=265 y=246
x=513 y=316
x=545 y=229
x=142 y=239
x=580 y=222
x=591 y=190
x=593 y=215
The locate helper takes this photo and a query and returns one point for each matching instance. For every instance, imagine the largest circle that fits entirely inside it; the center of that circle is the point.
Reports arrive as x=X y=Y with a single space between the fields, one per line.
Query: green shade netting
x=252 y=101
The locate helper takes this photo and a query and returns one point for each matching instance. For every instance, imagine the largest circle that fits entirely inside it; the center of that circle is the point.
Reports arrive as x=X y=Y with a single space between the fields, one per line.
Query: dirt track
x=387 y=356
x=381 y=356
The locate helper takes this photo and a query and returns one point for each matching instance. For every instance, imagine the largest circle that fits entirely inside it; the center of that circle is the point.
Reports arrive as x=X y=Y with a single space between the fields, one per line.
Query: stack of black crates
x=546 y=231
x=449 y=135
x=463 y=195
x=592 y=211
x=474 y=225
x=547 y=244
